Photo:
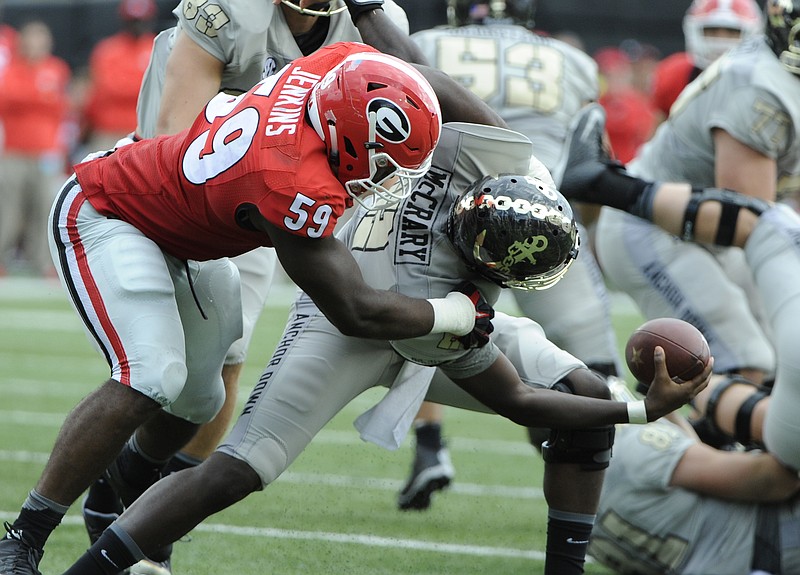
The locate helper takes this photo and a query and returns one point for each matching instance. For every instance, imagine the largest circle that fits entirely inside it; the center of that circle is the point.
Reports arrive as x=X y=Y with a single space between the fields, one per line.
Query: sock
x=111 y=554
x=138 y=469
x=102 y=498
x=567 y=541
x=429 y=435
x=38 y=518
x=179 y=462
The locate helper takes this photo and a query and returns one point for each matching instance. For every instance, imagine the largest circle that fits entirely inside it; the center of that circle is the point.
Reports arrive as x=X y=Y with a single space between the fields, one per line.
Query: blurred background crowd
x=70 y=72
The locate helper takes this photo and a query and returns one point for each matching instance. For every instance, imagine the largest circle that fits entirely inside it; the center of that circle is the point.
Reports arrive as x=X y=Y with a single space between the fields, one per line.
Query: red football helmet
x=380 y=120
x=741 y=15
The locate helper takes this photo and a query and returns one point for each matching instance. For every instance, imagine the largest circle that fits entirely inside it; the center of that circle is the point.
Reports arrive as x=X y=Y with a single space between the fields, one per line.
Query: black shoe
x=585 y=156
x=17 y=555
x=432 y=471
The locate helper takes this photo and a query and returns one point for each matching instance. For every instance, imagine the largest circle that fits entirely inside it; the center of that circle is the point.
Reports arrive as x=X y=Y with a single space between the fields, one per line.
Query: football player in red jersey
x=710 y=28
x=136 y=235
x=228 y=45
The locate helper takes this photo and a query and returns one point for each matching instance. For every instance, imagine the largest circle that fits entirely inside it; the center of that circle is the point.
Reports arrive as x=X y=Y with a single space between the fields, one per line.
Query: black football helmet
x=517 y=231
x=783 y=32
x=464 y=12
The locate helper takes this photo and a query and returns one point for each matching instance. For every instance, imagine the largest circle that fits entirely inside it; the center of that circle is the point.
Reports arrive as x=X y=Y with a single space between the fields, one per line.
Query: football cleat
x=432 y=471
x=17 y=555
x=152 y=567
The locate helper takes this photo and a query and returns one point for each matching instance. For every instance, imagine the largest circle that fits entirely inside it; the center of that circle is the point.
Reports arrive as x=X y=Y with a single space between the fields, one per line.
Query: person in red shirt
x=8 y=45
x=33 y=107
x=710 y=28
x=630 y=118
x=142 y=234
x=116 y=67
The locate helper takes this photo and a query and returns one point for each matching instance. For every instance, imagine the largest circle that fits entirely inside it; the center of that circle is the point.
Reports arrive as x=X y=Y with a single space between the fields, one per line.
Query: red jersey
x=185 y=191
x=670 y=77
x=117 y=66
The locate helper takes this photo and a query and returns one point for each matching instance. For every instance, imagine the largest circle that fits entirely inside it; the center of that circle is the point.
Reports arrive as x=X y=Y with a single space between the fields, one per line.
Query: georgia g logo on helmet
x=391 y=122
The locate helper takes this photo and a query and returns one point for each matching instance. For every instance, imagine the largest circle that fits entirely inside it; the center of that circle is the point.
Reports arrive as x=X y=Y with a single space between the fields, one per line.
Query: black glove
x=479 y=336
x=359 y=7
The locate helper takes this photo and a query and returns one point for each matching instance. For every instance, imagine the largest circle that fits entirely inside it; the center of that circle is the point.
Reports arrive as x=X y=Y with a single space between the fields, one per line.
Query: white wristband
x=637 y=412
x=454 y=314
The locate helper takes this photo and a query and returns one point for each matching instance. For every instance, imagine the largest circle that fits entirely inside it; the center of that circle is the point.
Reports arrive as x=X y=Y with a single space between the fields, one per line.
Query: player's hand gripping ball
x=685 y=348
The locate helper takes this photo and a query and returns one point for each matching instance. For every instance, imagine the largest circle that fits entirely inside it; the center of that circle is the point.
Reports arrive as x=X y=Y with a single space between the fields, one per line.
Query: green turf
x=333 y=512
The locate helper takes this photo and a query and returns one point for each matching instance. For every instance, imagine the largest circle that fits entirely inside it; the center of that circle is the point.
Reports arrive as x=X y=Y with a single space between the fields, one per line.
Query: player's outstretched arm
x=501 y=389
x=707 y=215
x=327 y=272
x=750 y=477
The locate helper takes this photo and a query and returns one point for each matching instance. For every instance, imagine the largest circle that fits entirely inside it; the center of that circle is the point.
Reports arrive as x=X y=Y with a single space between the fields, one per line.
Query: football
x=685 y=348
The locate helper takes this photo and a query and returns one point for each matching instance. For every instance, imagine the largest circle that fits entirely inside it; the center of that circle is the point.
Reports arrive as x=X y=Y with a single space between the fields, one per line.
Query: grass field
x=333 y=512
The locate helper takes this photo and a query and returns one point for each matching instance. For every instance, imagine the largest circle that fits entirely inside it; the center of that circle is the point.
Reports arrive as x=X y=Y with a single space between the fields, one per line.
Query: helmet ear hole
x=349 y=148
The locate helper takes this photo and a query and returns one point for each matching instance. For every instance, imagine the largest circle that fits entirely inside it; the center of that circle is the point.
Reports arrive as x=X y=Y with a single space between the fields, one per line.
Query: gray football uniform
x=646 y=527
x=253 y=40
x=250 y=36
x=536 y=84
x=751 y=96
x=316 y=371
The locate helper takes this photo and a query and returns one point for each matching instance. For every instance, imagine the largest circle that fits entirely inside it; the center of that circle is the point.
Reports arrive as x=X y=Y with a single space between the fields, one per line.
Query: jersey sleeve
x=655 y=449
x=756 y=118
x=308 y=203
x=220 y=31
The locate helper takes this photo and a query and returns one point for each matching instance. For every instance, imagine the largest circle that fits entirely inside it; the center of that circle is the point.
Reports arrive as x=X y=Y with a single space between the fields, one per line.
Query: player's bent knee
x=162 y=379
x=227 y=479
x=199 y=406
x=589 y=448
x=267 y=456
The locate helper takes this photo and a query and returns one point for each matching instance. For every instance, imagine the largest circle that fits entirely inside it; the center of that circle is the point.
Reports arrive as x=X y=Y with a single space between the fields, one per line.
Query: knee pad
x=731 y=203
x=590 y=448
x=199 y=404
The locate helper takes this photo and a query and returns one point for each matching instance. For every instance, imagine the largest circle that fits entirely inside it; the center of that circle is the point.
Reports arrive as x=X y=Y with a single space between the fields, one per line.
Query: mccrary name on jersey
x=414 y=237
